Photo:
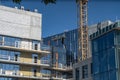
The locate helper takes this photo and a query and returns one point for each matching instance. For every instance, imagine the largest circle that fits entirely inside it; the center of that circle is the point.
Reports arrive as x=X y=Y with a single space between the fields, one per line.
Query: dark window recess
x=62 y=40
x=85 y=71
x=35 y=73
x=35 y=59
x=91 y=68
x=16 y=57
x=77 y=74
x=36 y=47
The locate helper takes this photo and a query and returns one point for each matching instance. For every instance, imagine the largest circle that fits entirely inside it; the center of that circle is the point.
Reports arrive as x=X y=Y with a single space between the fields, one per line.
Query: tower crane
x=82 y=29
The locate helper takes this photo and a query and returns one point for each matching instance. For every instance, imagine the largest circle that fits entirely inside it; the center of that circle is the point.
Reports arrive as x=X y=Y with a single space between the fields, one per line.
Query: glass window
x=85 y=71
x=35 y=45
x=9 y=55
x=34 y=72
x=112 y=75
x=11 y=67
x=104 y=58
x=111 y=59
x=1 y=40
x=35 y=58
x=11 y=41
x=16 y=57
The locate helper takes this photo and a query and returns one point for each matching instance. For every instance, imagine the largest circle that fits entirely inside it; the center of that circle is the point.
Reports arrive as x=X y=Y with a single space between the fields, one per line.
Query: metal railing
x=45 y=62
x=10 y=72
x=24 y=46
x=61 y=66
x=45 y=47
x=7 y=57
x=10 y=59
x=20 y=74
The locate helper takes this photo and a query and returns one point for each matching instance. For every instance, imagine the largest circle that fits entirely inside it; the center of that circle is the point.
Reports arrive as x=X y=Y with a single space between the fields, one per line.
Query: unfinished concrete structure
x=21 y=49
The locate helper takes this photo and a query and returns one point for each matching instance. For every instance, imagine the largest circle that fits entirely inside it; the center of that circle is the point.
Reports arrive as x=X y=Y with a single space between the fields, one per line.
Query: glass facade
x=68 y=41
x=104 y=56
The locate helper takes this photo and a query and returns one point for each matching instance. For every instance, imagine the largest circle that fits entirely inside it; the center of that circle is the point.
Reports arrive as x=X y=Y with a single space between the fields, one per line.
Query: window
x=34 y=72
x=11 y=41
x=1 y=40
x=17 y=43
x=16 y=57
x=35 y=58
x=35 y=45
x=77 y=74
x=85 y=71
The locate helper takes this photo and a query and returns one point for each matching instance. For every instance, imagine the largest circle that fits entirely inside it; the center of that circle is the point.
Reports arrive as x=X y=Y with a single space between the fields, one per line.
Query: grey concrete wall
x=20 y=23
x=79 y=66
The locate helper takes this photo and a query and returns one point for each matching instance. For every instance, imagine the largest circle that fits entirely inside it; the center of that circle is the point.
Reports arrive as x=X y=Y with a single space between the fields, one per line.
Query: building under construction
x=103 y=63
x=68 y=40
x=22 y=51
x=23 y=56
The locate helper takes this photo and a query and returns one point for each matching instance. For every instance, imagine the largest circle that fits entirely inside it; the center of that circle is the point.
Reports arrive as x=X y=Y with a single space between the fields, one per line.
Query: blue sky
x=62 y=16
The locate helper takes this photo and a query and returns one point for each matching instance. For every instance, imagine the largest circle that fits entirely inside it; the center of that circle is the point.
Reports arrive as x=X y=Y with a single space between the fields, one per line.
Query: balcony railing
x=10 y=72
x=18 y=74
x=11 y=59
x=61 y=66
x=45 y=62
x=25 y=46
x=45 y=47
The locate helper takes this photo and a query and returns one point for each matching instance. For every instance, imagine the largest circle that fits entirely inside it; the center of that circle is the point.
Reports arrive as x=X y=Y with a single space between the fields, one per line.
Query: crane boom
x=82 y=30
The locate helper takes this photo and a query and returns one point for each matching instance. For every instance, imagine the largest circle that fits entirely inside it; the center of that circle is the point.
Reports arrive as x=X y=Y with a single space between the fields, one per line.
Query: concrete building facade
x=83 y=70
x=21 y=49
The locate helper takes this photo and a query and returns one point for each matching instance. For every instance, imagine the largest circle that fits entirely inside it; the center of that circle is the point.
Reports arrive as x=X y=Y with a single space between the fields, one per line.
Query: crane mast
x=82 y=29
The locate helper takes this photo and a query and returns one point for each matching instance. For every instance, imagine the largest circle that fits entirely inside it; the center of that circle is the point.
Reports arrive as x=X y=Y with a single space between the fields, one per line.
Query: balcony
x=44 y=49
x=43 y=63
x=60 y=68
x=64 y=68
x=11 y=60
x=20 y=75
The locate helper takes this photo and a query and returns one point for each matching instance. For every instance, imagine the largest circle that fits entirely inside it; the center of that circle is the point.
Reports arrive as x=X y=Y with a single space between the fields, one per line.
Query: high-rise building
x=21 y=49
x=69 y=42
x=106 y=52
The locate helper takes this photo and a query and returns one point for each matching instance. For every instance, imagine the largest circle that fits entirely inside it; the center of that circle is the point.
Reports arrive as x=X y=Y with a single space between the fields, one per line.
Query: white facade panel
x=20 y=23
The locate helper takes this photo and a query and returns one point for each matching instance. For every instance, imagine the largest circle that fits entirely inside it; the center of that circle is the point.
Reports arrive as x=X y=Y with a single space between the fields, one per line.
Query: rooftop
x=104 y=30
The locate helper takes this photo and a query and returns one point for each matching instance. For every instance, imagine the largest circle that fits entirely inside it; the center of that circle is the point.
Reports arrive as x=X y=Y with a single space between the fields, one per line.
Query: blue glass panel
x=103 y=56
x=10 y=41
x=96 y=64
x=112 y=75
x=111 y=59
